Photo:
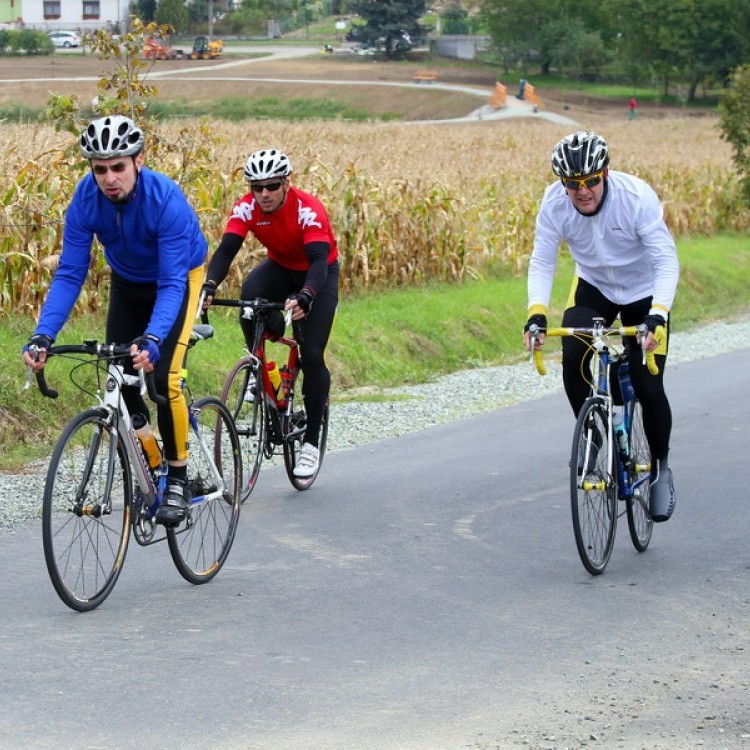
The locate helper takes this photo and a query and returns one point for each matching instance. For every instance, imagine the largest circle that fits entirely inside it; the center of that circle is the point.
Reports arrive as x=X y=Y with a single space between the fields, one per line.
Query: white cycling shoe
x=308 y=461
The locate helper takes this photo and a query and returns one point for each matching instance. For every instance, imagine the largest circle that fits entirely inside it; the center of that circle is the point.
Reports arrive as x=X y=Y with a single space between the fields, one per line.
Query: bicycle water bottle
x=621 y=436
x=147 y=439
x=286 y=383
x=273 y=375
x=626 y=386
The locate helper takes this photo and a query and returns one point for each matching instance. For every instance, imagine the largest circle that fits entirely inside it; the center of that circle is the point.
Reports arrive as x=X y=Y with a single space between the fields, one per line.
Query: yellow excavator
x=205 y=50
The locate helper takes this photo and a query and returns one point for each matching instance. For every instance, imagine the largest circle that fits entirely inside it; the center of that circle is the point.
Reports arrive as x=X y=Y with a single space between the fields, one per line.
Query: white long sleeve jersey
x=625 y=250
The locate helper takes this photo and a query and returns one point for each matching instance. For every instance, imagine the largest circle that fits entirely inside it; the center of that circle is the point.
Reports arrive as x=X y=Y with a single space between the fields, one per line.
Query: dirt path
x=381 y=88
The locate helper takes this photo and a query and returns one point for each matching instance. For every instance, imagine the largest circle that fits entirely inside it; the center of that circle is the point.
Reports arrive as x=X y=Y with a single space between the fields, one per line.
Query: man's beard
x=120 y=200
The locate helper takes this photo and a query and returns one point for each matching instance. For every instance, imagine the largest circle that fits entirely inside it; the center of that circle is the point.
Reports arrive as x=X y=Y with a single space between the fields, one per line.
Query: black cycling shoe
x=174 y=506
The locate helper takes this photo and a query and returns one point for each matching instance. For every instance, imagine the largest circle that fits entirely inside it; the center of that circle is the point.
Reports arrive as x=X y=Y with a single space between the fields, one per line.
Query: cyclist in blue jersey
x=154 y=246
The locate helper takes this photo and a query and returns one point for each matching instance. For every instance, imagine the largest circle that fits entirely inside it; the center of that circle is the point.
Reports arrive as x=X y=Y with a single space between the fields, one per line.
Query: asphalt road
x=425 y=594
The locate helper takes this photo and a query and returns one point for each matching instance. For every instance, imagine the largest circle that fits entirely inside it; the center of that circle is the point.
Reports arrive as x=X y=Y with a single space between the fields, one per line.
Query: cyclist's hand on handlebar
x=300 y=304
x=655 y=332
x=207 y=294
x=35 y=351
x=540 y=321
x=145 y=352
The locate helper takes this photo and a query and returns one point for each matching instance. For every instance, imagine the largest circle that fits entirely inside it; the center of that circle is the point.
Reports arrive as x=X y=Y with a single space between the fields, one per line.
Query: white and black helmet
x=580 y=153
x=267 y=163
x=110 y=137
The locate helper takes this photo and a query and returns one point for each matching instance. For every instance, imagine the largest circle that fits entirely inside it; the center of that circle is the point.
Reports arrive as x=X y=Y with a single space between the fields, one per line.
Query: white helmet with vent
x=580 y=153
x=266 y=164
x=110 y=137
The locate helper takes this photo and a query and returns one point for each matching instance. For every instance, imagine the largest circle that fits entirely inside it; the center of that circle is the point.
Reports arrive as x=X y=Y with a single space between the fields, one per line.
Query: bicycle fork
x=218 y=485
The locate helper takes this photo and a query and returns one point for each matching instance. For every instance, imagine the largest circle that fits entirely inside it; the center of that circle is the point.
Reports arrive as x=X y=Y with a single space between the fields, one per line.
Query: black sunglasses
x=272 y=187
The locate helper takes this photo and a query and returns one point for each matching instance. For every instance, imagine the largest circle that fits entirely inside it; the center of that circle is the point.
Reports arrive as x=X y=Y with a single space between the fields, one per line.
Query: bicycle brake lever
x=643 y=332
x=29 y=375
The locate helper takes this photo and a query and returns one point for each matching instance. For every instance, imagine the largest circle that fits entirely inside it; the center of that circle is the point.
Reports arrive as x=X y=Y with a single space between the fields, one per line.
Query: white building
x=73 y=15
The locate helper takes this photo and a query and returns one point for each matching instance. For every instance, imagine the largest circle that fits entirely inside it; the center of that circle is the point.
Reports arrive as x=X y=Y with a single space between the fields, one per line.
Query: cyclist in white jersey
x=626 y=264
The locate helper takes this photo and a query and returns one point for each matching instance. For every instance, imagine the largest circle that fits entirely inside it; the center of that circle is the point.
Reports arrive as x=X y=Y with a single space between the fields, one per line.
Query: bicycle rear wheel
x=243 y=396
x=640 y=522
x=86 y=511
x=200 y=546
x=593 y=490
x=294 y=432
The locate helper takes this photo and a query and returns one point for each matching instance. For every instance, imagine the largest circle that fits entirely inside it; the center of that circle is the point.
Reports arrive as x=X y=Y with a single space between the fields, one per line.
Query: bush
x=735 y=123
x=25 y=42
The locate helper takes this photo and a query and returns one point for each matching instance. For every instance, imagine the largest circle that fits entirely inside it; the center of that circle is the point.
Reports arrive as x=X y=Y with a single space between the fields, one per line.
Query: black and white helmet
x=267 y=163
x=580 y=153
x=110 y=137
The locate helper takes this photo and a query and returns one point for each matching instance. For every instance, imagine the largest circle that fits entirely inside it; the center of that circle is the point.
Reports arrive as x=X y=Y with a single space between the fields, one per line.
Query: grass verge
x=379 y=339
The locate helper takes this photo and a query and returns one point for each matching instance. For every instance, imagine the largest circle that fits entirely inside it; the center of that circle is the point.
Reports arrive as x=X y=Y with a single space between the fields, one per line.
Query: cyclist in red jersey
x=301 y=268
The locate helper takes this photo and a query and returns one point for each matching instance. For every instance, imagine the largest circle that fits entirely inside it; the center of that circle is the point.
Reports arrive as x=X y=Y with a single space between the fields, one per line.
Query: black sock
x=177 y=472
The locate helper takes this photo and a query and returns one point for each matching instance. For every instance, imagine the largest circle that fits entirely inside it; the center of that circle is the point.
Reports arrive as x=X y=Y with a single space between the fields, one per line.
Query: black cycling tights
x=276 y=283
x=589 y=304
x=130 y=308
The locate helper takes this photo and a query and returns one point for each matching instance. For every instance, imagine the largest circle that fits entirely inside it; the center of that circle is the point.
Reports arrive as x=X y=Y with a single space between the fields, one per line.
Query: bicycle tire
x=293 y=444
x=84 y=549
x=200 y=546
x=593 y=492
x=640 y=523
x=249 y=419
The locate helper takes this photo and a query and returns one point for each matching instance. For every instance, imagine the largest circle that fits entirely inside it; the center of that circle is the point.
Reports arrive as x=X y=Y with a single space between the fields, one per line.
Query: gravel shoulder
x=398 y=411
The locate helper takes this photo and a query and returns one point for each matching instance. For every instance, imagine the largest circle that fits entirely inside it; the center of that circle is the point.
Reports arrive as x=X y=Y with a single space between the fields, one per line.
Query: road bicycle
x=269 y=418
x=100 y=487
x=610 y=457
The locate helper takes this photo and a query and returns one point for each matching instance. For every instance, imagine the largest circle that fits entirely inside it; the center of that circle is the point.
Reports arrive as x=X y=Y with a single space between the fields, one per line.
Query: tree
x=172 y=12
x=143 y=9
x=454 y=18
x=525 y=30
x=390 y=20
x=687 y=39
x=735 y=123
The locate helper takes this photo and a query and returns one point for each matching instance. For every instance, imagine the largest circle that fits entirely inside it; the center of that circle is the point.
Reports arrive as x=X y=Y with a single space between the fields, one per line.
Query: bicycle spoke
x=640 y=523
x=86 y=512
x=242 y=396
x=201 y=546
x=593 y=489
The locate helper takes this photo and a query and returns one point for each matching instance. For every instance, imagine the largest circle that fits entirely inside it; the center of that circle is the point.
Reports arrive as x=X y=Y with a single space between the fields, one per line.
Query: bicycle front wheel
x=243 y=396
x=593 y=490
x=201 y=545
x=294 y=432
x=86 y=511
x=640 y=522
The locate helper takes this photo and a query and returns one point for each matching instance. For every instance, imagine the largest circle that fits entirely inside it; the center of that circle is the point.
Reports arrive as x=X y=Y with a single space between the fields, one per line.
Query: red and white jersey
x=301 y=220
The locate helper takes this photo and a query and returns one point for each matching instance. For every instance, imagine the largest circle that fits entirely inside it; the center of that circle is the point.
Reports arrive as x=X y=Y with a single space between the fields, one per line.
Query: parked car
x=65 y=39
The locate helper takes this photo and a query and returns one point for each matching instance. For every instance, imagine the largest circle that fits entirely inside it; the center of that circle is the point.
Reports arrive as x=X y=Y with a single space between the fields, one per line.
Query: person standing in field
x=632 y=108
x=156 y=251
x=302 y=269
x=626 y=265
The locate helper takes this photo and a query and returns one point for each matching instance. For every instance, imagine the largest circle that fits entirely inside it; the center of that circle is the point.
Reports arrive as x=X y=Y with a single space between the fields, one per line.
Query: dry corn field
x=409 y=202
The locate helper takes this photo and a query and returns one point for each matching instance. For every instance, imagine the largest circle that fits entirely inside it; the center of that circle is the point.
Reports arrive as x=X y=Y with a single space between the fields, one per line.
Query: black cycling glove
x=538 y=319
x=40 y=341
x=304 y=300
x=652 y=322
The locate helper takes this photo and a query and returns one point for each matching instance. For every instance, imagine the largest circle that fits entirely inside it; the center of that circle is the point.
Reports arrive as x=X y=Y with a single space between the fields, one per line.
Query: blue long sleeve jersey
x=153 y=238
